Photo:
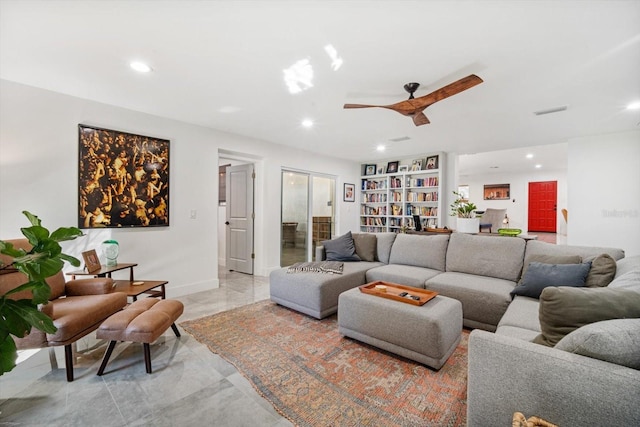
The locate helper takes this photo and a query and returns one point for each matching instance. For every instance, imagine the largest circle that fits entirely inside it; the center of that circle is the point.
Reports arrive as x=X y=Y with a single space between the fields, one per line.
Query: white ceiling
x=212 y=56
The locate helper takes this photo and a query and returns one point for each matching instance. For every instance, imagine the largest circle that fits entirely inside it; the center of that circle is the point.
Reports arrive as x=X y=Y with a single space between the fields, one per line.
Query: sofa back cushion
x=538 y=247
x=420 y=251
x=491 y=256
x=384 y=243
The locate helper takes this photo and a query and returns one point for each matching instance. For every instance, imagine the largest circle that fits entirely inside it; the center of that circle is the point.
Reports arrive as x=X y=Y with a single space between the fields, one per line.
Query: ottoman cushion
x=427 y=334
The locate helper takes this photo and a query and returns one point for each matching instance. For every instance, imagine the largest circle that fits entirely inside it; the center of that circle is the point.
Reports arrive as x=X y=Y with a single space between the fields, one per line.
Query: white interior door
x=239 y=218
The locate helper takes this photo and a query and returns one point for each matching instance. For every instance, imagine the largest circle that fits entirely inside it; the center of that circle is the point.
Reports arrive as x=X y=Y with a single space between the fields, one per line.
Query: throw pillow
x=540 y=276
x=341 y=248
x=565 y=309
x=616 y=341
x=366 y=246
x=550 y=259
x=603 y=270
x=629 y=280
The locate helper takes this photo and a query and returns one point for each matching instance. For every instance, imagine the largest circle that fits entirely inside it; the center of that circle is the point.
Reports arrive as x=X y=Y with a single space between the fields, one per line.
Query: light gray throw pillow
x=616 y=341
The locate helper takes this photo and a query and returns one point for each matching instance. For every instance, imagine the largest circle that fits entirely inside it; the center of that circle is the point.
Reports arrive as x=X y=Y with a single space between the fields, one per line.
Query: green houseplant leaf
x=45 y=259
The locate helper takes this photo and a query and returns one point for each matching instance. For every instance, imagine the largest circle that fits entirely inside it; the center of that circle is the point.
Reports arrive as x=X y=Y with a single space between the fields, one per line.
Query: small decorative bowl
x=509 y=231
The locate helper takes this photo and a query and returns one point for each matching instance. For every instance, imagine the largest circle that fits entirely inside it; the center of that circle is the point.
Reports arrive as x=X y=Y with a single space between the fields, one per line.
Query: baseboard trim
x=192 y=288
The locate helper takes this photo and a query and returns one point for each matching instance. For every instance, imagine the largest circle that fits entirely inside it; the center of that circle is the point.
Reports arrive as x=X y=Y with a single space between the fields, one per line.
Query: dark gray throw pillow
x=341 y=248
x=539 y=276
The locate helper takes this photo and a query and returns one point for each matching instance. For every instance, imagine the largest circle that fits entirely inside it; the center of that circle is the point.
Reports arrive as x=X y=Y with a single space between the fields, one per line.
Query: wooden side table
x=105 y=271
x=145 y=287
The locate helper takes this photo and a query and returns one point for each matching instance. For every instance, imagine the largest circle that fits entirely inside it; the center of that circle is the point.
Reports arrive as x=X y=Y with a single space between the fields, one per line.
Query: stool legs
x=107 y=355
x=68 y=361
x=175 y=330
x=147 y=357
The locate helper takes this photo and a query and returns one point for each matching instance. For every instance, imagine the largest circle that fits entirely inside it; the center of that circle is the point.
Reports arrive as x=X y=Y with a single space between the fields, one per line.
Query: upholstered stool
x=143 y=321
x=427 y=334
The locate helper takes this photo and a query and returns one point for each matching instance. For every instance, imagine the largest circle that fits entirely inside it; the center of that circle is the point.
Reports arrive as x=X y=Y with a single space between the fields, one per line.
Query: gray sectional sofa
x=590 y=377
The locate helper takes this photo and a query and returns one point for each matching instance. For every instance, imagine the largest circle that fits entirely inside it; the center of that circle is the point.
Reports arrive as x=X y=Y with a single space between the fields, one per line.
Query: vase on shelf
x=468 y=225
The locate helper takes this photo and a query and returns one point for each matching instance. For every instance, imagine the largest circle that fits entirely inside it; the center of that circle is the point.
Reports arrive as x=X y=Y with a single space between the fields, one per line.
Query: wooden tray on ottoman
x=393 y=289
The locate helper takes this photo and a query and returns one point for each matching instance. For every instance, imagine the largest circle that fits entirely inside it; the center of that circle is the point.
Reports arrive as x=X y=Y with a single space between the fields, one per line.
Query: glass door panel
x=294 y=218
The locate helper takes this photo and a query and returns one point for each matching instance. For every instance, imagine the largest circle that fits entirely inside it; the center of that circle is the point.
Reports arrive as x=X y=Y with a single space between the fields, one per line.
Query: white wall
x=518 y=206
x=39 y=172
x=604 y=191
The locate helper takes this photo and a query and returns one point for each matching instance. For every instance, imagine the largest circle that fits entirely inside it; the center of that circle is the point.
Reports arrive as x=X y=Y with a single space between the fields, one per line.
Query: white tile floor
x=189 y=385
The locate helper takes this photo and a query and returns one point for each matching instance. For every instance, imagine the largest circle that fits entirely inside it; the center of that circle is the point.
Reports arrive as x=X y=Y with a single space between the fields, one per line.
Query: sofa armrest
x=321 y=255
x=94 y=286
x=508 y=375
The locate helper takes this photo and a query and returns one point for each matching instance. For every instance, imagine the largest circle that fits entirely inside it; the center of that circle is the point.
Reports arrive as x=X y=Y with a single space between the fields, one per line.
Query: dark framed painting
x=369 y=169
x=392 y=167
x=123 y=179
x=497 y=191
x=431 y=162
x=349 y=192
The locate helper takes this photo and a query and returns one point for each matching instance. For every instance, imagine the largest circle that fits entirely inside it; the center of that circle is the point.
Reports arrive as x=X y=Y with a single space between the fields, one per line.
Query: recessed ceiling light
x=494 y=167
x=538 y=166
x=529 y=156
x=140 y=67
x=634 y=106
x=381 y=147
x=307 y=123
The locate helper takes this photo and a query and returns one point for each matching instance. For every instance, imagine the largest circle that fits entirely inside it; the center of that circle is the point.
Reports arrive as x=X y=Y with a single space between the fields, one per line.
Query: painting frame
x=349 y=193
x=431 y=162
x=497 y=192
x=123 y=179
x=91 y=261
x=392 y=167
x=403 y=168
x=369 y=170
x=417 y=165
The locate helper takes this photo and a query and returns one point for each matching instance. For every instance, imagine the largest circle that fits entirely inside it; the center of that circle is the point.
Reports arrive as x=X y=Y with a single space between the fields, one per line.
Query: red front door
x=543 y=204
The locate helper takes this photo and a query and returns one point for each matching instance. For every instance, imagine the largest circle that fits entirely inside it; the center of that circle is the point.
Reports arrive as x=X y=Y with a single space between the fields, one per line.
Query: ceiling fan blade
x=449 y=90
x=420 y=119
x=360 y=106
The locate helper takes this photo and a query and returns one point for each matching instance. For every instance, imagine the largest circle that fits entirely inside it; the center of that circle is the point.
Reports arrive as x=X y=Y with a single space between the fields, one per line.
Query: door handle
x=226 y=222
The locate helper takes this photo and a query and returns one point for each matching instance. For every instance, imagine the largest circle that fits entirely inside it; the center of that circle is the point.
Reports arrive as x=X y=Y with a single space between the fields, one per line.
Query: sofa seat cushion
x=76 y=316
x=523 y=334
x=316 y=294
x=484 y=299
x=616 y=341
x=522 y=313
x=402 y=274
x=490 y=256
x=420 y=251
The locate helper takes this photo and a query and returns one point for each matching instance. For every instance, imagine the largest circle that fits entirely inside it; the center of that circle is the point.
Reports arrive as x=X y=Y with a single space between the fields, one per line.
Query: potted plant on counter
x=464 y=210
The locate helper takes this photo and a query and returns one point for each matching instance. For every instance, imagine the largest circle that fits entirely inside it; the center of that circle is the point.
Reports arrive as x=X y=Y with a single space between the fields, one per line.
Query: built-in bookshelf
x=389 y=201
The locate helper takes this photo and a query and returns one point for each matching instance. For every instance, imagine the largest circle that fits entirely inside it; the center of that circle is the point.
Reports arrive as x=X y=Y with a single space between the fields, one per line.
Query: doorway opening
x=236 y=207
x=307 y=214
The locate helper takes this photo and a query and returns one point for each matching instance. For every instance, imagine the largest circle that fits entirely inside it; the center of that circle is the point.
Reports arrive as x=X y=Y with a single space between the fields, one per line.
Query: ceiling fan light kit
x=414 y=107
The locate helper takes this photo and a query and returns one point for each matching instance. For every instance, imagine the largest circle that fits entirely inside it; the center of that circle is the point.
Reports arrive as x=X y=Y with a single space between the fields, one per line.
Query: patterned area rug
x=316 y=377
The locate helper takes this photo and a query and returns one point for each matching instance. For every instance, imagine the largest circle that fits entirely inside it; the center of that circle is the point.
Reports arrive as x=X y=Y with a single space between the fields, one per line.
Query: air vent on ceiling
x=550 y=110
x=400 y=139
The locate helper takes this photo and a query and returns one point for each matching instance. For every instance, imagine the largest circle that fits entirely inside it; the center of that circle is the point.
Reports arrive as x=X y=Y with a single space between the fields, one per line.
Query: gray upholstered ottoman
x=427 y=334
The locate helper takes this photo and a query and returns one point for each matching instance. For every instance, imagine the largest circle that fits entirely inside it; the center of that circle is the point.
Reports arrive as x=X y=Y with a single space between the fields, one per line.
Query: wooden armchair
x=77 y=307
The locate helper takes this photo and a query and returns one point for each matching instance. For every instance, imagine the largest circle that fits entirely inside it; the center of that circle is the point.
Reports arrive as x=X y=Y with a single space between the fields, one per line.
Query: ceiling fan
x=414 y=107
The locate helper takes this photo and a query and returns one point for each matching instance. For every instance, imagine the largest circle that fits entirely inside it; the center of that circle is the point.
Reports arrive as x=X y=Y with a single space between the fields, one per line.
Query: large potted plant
x=464 y=210
x=45 y=259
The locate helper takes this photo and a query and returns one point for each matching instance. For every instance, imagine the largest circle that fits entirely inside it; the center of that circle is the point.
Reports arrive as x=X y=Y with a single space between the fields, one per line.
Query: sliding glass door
x=307 y=215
